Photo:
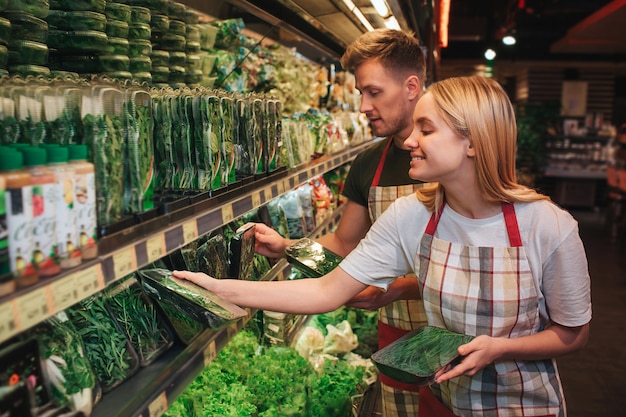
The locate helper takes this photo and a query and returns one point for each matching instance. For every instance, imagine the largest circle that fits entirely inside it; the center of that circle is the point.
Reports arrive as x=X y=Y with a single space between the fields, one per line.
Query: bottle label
x=19 y=204
x=85 y=208
x=67 y=232
x=44 y=226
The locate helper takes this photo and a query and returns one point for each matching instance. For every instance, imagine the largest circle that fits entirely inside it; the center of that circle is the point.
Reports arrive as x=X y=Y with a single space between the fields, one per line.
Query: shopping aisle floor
x=594 y=379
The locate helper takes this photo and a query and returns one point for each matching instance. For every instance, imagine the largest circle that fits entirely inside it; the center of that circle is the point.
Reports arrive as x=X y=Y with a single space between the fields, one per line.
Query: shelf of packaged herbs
x=577 y=156
x=126 y=251
x=153 y=389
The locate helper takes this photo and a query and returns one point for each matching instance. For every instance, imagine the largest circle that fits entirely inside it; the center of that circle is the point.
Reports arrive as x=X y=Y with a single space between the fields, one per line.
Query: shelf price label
x=89 y=281
x=281 y=186
x=227 y=214
x=210 y=352
x=190 y=231
x=8 y=325
x=155 y=247
x=64 y=292
x=256 y=199
x=32 y=308
x=268 y=193
x=124 y=262
x=158 y=407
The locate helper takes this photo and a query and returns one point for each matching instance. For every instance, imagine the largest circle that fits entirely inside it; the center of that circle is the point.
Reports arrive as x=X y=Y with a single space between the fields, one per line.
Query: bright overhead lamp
x=392 y=23
x=355 y=10
x=381 y=7
x=490 y=54
x=509 y=40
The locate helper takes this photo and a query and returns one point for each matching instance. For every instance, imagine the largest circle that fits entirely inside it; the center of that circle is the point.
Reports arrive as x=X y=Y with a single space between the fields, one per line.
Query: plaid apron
x=399 y=317
x=488 y=290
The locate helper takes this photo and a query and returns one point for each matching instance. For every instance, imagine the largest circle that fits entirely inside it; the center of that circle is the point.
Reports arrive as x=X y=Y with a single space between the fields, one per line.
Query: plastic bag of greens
x=212 y=257
x=138 y=151
x=146 y=330
x=305 y=194
x=292 y=207
x=163 y=147
x=243 y=145
x=103 y=128
x=227 y=112
x=228 y=32
x=278 y=218
x=109 y=351
x=189 y=298
x=202 y=142
x=311 y=258
x=215 y=132
x=73 y=383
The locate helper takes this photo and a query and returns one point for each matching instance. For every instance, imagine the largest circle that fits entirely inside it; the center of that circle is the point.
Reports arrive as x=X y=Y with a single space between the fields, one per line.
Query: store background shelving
x=133 y=248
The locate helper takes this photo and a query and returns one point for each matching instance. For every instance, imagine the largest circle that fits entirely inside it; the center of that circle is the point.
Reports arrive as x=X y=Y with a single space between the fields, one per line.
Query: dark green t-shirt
x=361 y=174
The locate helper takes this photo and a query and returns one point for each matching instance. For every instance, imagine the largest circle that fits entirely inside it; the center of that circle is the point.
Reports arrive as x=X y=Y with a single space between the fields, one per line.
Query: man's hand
x=372 y=298
x=268 y=242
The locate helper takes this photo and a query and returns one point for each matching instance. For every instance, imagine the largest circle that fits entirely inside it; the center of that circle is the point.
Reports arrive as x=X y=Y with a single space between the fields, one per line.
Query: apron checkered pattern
x=488 y=290
x=398 y=317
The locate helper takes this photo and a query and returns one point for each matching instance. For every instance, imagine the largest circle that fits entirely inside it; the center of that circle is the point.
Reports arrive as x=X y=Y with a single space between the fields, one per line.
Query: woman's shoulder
x=545 y=215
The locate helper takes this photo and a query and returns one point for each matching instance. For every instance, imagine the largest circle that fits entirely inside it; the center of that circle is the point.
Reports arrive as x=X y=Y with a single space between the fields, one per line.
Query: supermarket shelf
x=124 y=252
x=575 y=173
x=153 y=389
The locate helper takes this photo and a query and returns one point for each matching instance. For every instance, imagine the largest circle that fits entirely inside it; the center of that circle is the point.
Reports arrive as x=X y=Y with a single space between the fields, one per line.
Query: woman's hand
x=268 y=242
x=480 y=352
x=198 y=278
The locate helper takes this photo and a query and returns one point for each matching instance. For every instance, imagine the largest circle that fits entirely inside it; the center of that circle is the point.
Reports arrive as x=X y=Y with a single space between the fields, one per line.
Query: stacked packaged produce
x=78 y=35
x=27 y=43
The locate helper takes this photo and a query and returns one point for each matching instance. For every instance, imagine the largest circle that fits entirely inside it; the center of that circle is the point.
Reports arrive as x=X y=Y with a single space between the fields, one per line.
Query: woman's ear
x=471 y=151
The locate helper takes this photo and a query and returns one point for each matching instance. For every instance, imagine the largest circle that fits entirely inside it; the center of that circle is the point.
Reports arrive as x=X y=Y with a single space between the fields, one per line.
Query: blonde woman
x=493 y=259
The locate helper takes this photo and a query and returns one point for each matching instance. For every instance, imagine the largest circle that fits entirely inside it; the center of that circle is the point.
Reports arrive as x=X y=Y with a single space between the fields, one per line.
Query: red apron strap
x=386 y=335
x=434 y=221
x=512 y=228
x=381 y=164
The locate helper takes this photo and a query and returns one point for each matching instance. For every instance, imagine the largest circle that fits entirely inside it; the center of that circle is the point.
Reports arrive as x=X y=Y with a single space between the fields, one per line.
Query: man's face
x=384 y=101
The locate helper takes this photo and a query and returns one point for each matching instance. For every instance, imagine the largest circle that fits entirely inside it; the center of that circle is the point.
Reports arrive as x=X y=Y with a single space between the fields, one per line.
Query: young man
x=389 y=69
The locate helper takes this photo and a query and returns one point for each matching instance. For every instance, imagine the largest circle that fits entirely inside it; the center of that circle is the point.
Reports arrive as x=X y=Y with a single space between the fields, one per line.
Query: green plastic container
x=139 y=47
x=28 y=53
x=416 y=357
x=117 y=29
x=26 y=70
x=114 y=63
x=117 y=11
x=178 y=27
x=178 y=58
x=117 y=46
x=80 y=41
x=77 y=20
x=86 y=5
x=5 y=31
x=27 y=27
x=139 y=31
x=160 y=22
x=160 y=58
x=140 y=14
x=140 y=64
x=37 y=8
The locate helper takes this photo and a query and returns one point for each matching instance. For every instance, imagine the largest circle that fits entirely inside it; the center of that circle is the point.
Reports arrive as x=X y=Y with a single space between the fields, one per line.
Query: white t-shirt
x=549 y=235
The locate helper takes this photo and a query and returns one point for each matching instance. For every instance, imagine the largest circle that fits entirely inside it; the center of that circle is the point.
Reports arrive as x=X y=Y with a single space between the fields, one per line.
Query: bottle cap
x=77 y=152
x=11 y=160
x=57 y=154
x=34 y=156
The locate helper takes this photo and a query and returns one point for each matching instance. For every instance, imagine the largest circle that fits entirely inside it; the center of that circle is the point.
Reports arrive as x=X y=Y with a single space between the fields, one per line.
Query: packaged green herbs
x=139 y=154
x=212 y=257
x=241 y=248
x=189 y=298
x=72 y=380
x=311 y=258
x=103 y=125
x=110 y=354
x=164 y=164
x=416 y=357
x=135 y=313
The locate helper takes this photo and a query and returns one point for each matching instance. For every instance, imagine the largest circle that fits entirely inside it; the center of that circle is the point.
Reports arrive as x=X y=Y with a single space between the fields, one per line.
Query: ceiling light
x=392 y=23
x=490 y=54
x=381 y=7
x=509 y=40
x=355 y=10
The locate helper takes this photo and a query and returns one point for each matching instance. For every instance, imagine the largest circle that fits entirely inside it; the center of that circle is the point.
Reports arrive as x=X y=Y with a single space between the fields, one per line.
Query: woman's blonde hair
x=479 y=109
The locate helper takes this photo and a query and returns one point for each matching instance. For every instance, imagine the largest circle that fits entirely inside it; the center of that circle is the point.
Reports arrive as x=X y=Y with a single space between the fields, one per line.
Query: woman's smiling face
x=438 y=153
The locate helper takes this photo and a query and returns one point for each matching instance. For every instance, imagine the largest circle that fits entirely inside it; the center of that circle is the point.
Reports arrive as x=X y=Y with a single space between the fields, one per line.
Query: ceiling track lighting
x=381 y=7
x=359 y=15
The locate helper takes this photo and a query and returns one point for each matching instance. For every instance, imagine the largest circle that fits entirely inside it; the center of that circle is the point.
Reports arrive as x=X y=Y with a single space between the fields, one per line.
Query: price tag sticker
x=281 y=186
x=32 y=308
x=8 y=325
x=89 y=281
x=256 y=199
x=158 y=407
x=227 y=214
x=210 y=352
x=64 y=292
x=155 y=247
x=190 y=231
x=124 y=262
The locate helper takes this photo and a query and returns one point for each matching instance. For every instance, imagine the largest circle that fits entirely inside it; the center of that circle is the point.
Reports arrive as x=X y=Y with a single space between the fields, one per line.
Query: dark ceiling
x=545 y=29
